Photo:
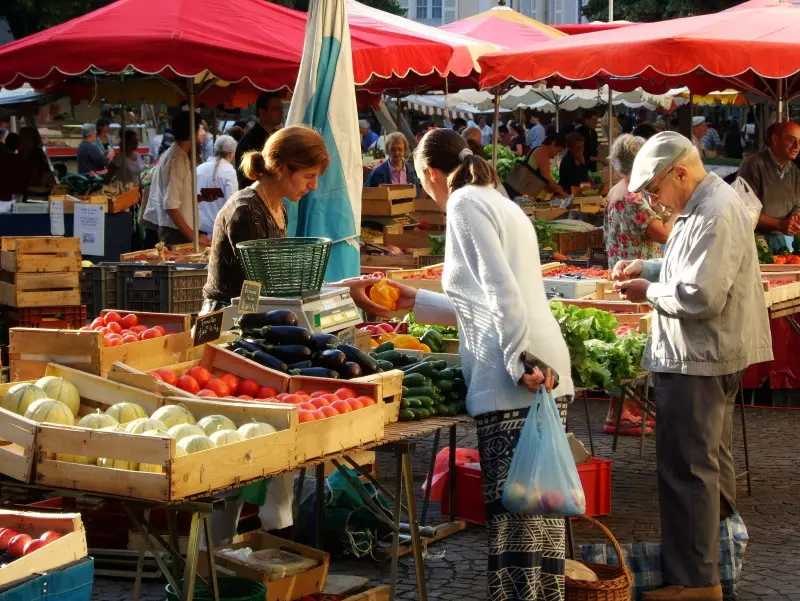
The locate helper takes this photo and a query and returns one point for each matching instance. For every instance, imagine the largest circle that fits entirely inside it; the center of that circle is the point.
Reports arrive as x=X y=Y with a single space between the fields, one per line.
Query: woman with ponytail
x=288 y=167
x=494 y=293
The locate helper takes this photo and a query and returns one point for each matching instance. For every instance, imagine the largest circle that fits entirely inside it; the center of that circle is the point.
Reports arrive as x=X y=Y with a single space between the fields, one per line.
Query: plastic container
x=286 y=267
x=595 y=477
x=98 y=289
x=55 y=318
x=230 y=589
x=167 y=288
x=70 y=583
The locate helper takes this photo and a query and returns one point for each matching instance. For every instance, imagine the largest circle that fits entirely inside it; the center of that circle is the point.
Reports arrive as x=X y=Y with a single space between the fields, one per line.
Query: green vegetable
x=426 y=369
x=434 y=340
x=392 y=357
x=437 y=244
x=382 y=348
x=385 y=365
x=414 y=379
x=406 y=415
x=418 y=391
x=765 y=254
x=544 y=233
x=416 y=329
x=444 y=385
x=412 y=402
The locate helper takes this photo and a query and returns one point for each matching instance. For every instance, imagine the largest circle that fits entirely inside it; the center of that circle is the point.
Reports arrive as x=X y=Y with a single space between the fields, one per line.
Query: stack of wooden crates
x=39 y=283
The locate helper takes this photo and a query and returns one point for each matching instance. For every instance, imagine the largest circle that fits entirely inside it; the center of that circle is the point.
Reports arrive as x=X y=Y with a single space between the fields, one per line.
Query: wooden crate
x=65 y=550
x=437 y=217
x=336 y=434
x=548 y=213
x=39 y=289
x=148 y=255
x=69 y=202
x=290 y=588
x=187 y=476
x=388 y=199
x=416 y=239
x=32 y=349
x=612 y=306
x=215 y=359
x=401 y=276
x=117 y=204
x=391 y=391
x=779 y=268
x=387 y=262
x=40 y=254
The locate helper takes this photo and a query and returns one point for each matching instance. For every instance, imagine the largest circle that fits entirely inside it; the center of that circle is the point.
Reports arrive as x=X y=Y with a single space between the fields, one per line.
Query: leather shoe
x=684 y=593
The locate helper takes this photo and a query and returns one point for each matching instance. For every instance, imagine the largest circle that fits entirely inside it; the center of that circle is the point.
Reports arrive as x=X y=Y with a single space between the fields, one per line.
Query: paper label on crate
x=207 y=328
x=249 y=296
x=90 y=228
x=57 y=218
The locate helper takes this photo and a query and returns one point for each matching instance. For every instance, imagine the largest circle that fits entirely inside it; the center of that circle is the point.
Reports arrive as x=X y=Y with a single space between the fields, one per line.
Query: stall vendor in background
x=288 y=167
x=90 y=158
x=170 y=205
x=574 y=170
x=775 y=180
x=591 y=149
x=216 y=173
x=539 y=162
x=395 y=169
x=368 y=137
x=132 y=160
x=270 y=116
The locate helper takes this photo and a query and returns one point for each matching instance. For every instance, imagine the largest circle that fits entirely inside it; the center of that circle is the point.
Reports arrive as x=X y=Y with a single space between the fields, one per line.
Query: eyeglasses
x=652 y=191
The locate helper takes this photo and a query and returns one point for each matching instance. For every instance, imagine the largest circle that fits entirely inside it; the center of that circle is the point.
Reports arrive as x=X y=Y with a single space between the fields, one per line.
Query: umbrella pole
x=399 y=114
x=494 y=128
x=122 y=119
x=610 y=134
x=780 y=100
x=192 y=125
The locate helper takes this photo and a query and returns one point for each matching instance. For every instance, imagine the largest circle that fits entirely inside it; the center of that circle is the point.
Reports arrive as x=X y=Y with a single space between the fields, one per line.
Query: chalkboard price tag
x=249 y=297
x=208 y=327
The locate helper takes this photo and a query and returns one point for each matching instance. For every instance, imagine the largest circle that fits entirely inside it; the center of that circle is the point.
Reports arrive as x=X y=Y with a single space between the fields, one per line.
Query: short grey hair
x=88 y=130
x=624 y=151
x=363 y=123
x=393 y=138
x=224 y=145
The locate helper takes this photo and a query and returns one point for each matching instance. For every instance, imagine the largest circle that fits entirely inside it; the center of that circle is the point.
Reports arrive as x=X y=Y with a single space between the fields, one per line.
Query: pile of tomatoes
x=18 y=543
x=118 y=329
x=322 y=405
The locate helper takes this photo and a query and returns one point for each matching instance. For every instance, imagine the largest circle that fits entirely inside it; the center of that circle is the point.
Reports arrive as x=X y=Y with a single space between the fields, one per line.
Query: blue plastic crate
x=70 y=583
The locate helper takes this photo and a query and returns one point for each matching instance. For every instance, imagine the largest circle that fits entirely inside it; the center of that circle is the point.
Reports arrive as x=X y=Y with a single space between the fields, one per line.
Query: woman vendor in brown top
x=288 y=167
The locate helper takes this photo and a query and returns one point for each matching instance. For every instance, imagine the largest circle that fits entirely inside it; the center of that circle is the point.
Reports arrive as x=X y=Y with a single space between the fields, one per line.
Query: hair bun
x=465 y=152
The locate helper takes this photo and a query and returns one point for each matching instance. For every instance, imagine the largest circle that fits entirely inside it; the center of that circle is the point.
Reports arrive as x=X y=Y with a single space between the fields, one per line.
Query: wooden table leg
x=137 y=583
x=398 y=495
x=190 y=571
x=212 y=564
x=416 y=540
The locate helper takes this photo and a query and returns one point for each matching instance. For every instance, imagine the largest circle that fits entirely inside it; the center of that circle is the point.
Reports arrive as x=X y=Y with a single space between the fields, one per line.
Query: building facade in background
x=442 y=12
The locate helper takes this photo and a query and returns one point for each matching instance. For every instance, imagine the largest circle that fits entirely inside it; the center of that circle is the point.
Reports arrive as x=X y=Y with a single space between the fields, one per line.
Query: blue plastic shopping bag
x=543 y=479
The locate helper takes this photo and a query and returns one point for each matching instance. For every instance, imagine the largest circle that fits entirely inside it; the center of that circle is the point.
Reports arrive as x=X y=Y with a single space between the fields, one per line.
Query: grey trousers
x=696 y=477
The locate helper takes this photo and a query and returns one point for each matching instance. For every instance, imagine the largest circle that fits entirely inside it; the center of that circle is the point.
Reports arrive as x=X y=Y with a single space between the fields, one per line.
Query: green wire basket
x=286 y=266
x=230 y=589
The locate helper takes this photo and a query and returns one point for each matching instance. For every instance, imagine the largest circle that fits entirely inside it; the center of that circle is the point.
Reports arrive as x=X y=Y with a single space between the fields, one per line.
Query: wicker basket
x=613 y=584
x=286 y=266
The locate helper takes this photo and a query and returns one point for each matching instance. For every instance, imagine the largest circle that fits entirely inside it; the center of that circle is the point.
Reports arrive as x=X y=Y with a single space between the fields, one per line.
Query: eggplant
x=301 y=365
x=283 y=334
x=350 y=370
x=250 y=346
x=321 y=342
x=316 y=372
x=368 y=365
x=291 y=353
x=332 y=359
x=279 y=317
x=264 y=359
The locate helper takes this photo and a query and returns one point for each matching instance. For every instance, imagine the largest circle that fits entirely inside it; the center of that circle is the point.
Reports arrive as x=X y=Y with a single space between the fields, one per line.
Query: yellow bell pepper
x=373 y=343
x=389 y=337
x=385 y=295
x=425 y=348
x=404 y=341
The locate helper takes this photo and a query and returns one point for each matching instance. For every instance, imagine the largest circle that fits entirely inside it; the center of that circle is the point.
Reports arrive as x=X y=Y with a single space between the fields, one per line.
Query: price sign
x=249 y=296
x=208 y=327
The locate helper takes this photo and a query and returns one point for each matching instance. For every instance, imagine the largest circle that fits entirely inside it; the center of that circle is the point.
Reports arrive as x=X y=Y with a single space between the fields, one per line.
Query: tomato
x=232 y=382
x=32 y=545
x=366 y=401
x=219 y=386
x=331 y=398
x=207 y=393
x=168 y=376
x=138 y=329
x=245 y=397
x=282 y=396
x=189 y=384
x=111 y=316
x=151 y=333
x=98 y=321
x=328 y=411
x=319 y=414
x=319 y=402
x=129 y=321
x=201 y=374
x=161 y=329
x=355 y=404
x=85 y=329
x=50 y=535
x=267 y=392
x=112 y=340
x=249 y=387
x=114 y=327
x=155 y=375
x=345 y=393
x=16 y=546
x=318 y=393
x=306 y=407
x=129 y=338
x=5 y=536
x=302 y=393
x=342 y=406
x=306 y=416
x=292 y=399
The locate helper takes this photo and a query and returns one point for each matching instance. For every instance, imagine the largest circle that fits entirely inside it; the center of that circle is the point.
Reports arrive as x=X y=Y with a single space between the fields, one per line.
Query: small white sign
x=57 y=218
x=89 y=228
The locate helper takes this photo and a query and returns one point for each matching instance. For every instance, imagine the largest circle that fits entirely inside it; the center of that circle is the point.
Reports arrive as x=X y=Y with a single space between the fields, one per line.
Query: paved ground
x=455 y=567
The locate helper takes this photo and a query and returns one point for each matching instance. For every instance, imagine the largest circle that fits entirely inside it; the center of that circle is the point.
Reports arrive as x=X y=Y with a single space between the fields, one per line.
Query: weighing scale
x=325 y=312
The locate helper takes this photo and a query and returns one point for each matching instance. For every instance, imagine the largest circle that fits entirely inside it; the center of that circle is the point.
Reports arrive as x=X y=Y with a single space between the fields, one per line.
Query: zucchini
x=391 y=356
x=412 y=403
x=406 y=415
x=422 y=413
x=424 y=401
x=404 y=391
x=444 y=374
x=385 y=365
x=441 y=410
x=426 y=369
x=440 y=365
x=413 y=380
x=420 y=391
x=444 y=385
x=386 y=346
x=404 y=404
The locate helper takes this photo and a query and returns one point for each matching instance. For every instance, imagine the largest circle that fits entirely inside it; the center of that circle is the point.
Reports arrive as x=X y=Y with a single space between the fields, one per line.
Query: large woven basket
x=286 y=267
x=613 y=584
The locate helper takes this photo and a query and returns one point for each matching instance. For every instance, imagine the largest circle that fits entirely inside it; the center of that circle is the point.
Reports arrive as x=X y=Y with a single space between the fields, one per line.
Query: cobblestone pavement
x=455 y=566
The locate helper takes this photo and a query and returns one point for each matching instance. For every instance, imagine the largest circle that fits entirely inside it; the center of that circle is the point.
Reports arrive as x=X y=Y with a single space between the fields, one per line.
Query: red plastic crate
x=595 y=477
x=56 y=318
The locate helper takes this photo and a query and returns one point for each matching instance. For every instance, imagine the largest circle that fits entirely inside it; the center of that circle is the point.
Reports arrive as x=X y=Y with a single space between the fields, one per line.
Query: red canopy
x=581 y=28
x=747 y=50
x=504 y=27
x=246 y=40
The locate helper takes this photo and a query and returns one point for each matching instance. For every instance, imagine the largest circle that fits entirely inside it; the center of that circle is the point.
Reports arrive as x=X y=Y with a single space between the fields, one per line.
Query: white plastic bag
x=750 y=200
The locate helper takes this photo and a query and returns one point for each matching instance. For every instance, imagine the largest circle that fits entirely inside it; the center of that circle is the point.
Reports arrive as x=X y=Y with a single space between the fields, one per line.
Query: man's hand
x=634 y=291
x=204 y=240
x=358 y=292
x=532 y=381
x=626 y=270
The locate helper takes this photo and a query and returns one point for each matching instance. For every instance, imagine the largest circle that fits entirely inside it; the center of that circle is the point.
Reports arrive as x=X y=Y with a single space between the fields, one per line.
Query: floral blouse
x=626 y=225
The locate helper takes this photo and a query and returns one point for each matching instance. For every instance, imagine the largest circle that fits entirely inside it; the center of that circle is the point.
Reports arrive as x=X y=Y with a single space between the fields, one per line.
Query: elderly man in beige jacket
x=710 y=322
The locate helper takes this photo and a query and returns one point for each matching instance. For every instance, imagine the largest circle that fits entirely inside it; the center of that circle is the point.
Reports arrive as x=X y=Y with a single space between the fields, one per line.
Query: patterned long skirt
x=526 y=553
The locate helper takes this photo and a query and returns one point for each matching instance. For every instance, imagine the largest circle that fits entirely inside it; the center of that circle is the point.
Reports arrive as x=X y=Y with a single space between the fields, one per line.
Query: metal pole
x=494 y=128
x=399 y=113
x=122 y=147
x=610 y=10
x=610 y=132
x=780 y=101
x=192 y=125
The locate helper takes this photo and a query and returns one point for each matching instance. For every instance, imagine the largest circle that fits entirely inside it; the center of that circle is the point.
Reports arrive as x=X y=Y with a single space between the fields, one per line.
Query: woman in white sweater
x=495 y=294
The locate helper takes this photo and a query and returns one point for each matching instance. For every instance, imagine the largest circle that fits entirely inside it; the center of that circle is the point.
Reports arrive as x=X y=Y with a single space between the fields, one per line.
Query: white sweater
x=494 y=292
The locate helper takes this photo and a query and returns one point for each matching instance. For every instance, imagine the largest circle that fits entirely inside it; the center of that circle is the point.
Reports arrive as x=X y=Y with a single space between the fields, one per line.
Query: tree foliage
x=653 y=10
x=30 y=16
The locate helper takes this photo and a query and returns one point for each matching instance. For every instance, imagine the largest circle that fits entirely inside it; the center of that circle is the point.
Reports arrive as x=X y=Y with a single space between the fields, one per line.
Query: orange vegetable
x=404 y=341
x=560 y=257
x=425 y=348
x=385 y=295
x=780 y=259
